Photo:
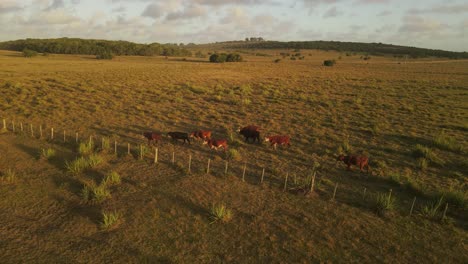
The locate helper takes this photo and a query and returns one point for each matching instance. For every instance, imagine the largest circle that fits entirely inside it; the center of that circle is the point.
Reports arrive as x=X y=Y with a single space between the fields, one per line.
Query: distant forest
x=375 y=49
x=94 y=47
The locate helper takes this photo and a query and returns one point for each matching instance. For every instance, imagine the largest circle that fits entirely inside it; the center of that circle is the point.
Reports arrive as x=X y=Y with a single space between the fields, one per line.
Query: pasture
x=408 y=116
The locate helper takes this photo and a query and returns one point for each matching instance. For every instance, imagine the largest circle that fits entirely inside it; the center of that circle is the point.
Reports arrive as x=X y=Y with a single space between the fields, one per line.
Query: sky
x=420 y=23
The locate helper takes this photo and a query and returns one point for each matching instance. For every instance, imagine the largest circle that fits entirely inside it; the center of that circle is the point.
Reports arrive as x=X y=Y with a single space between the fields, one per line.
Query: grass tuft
x=219 y=212
x=425 y=155
x=445 y=142
x=77 y=166
x=113 y=178
x=382 y=203
x=47 y=153
x=110 y=219
x=431 y=210
x=95 y=192
x=86 y=148
x=8 y=177
x=456 y=198
x=94 y=160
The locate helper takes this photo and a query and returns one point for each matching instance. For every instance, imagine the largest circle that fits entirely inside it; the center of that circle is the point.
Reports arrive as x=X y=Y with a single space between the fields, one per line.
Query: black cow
x=250 y=132
x=179 y=135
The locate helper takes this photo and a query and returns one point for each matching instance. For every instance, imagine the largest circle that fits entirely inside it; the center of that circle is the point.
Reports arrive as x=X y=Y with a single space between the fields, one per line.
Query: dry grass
x=379 y=107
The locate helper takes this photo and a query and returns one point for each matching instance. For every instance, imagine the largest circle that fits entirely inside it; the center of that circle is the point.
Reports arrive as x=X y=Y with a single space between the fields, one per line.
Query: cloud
x=7 y=6
x=55 y=5
x=189 y=12
x=417 y=24
x=153 y=10
x=385 y=13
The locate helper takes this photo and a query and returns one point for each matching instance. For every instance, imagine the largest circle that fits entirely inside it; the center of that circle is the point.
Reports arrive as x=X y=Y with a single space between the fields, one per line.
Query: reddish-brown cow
x=358 y=160
x=201 y=134
x=152 y=137
x=216 y=143
x=278 y=140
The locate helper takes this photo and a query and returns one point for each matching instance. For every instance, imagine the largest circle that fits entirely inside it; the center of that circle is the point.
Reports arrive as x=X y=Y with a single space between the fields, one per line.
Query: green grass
x=77 y=166
x=112 y=178
x=445 y=142
x=105 y=144
x=425 y=155
x=97 y=193
x=94 y=160
x=47 y=153
x=86 y=148
x=432 y=209
x=383 y=203
x=219 y=212
x=9 y=176
x=455 y=197
x=110 y=219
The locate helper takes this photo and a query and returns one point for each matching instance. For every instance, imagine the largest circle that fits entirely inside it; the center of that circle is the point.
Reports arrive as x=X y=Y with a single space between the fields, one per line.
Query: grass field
x=410 y=117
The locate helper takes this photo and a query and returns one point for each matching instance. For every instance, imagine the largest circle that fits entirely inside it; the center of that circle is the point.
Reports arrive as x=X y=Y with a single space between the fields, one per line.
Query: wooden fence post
x=286 y=182
x=141 y=151
x=76 y=137
x=156 y=155
x=173 y=157
x=190 y=164
x=32 y=130
x=226 y=168
x=115 y=147
x=128 y=148
x=208 y=167
x=64 y=136
x=243 y=173
x=51 y=134
x=4 y=124
x=312 y=182
x=412 y=206
x=21 y=126
x=334 y=191
x=263 y=175
x=40 y=131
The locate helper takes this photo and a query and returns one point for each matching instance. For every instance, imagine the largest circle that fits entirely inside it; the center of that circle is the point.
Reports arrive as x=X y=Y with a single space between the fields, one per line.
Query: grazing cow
x=179 y=135
x=216 y=143
x=201 y=134
x=358 y=160
x=250 y=132
x=278 y=140
x=152 y=137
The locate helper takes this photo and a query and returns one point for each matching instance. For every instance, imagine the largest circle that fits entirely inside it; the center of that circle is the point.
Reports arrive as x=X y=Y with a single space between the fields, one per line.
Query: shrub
x=383 y=203
x=277 y=60
x=233 y=57
x=77 y=166
x=47 y=153
x=223 y=57
x=329 y=63
x=29 y=53
x=8 y=177
x=113 y=178
x=220 y=212
x=110 y=219
x=104 y=54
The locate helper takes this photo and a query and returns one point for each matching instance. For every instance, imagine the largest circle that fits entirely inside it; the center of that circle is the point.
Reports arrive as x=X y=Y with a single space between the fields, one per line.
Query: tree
x=29 y=53
x=104 y=54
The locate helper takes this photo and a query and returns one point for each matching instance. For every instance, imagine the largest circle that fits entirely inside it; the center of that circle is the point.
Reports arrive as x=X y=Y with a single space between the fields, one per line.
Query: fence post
x=128 y=148
x=40 y=131
x=21 y=126
x=141 y=151
x=226 y=168
x=208 y=167
x=334 y=191
x=190 y=164
x=286 y=182
x=32 y=130
x=64 y=136
x=115 y=147
x=156 y=155
x=445 y=211
x=4 y=124
x=312 y=182
x=243 y=173
x=51 y=134
x=76 y=137
x=412 y=206
x=263 y=175
x=173 y=157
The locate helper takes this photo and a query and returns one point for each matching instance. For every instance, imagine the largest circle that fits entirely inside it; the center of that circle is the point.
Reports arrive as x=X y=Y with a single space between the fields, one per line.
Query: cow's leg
x=274 y=145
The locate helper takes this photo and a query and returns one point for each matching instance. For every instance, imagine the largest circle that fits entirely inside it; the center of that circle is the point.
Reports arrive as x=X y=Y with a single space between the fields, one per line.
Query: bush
x=329 y=63
x=223 y=57
x=29 y=53
x=220 y=213
x=47 y=153
x=104 y=54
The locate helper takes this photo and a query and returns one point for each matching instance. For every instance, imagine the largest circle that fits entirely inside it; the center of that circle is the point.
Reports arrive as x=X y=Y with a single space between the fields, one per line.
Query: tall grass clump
x=77 y=166
x=431 y=210
x=455 y=197
x=219 y=212
x=422 y=152
x=383 y=203
x=234 y=154
x=47 y=153
x=446 y=142
x=105 y=144
x=8 y=177
x=86 y=148
x=112 y=178
x=95 y=192
x=94 y=160
x=110 y=219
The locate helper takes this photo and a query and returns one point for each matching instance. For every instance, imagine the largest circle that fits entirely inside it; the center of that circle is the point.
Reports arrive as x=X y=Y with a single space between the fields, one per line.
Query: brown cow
x=201 y=134
x=358 y=160
x=152 y=137
x=278 y=140
x=216 y=143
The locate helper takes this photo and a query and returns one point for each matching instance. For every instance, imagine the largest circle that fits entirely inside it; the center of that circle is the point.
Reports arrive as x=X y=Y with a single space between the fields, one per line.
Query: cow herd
x=250 y=133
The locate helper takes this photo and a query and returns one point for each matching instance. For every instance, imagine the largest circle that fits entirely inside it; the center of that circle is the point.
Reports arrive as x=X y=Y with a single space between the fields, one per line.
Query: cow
x=250 y=132
x=358 y=160
x=152 y=137
x=179 y=135
x=278 y=140
x=201 y=134
x=216 y=143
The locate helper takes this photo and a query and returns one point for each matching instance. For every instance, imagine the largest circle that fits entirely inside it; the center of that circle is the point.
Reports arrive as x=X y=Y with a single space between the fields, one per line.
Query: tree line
x=94 y=47
x=376 y=49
